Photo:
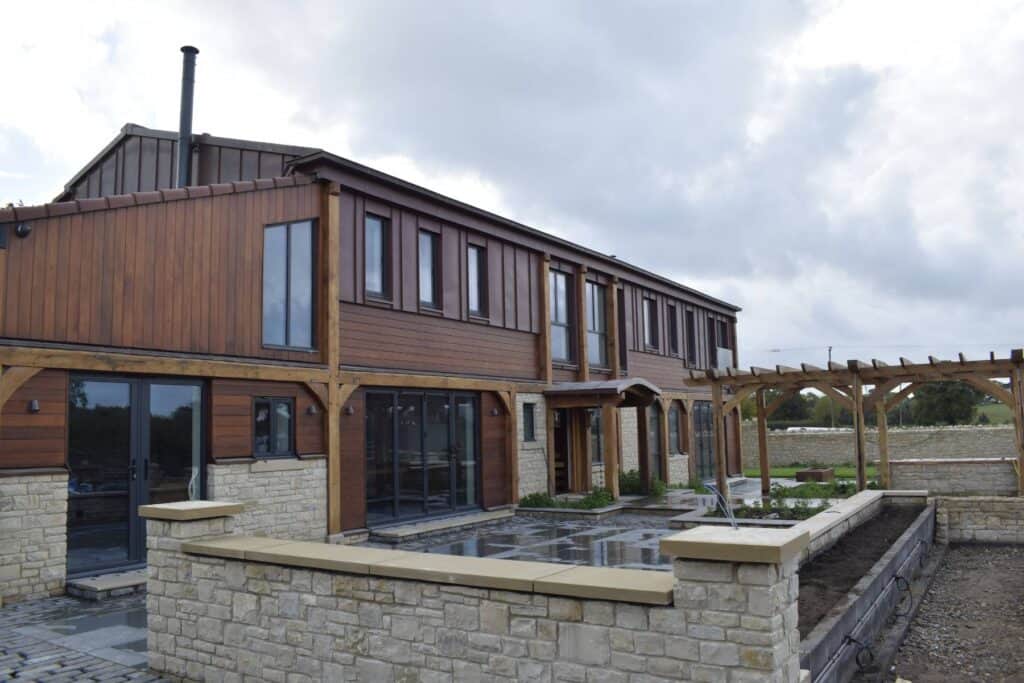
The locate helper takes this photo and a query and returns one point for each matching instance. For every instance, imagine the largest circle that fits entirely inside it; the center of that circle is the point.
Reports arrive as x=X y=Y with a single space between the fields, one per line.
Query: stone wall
x=630 y=439
x=678 y=468
x=836 y=447
x=286 y=498
x=979 y=520
x=950 y=477
x=533 y=463
x=33 y=536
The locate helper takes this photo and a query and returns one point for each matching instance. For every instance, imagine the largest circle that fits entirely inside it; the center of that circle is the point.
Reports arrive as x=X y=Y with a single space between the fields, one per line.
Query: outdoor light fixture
x=349 y=410
x=22 y=230
x=33 y=406
x=312 y=409
x=495 y=412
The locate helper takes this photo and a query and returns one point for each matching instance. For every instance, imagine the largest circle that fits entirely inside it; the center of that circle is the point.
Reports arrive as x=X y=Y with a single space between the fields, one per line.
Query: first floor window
x=288 y=270
x=691 y=339
x=650 y=323
x=377 y=253
x=476 y=265
x=430 y=269
x=529 y=422
x=274 y=426
x=561 y=316
x=597 y=325
x=673 y=330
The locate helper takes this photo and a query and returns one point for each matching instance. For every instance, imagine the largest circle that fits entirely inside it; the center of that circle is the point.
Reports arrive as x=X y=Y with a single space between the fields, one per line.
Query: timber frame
x=845 y=384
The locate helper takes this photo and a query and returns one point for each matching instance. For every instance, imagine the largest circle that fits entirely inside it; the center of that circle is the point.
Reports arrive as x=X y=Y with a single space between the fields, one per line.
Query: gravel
x=971 y=623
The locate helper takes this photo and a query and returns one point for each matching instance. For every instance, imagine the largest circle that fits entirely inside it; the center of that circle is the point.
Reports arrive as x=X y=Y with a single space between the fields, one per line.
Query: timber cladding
x=231 y=428
x=179 y=276
x=375 y=337
x=36 y=439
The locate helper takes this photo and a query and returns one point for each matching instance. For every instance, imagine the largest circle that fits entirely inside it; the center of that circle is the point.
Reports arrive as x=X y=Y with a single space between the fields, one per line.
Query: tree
x=946 y=403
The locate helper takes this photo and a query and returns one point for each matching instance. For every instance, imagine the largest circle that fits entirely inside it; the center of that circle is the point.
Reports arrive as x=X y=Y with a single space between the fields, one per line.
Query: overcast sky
x=848 y=173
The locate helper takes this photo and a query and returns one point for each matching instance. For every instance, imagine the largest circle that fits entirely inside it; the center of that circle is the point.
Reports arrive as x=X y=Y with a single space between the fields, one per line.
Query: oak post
x=858 y=426
x=663 y=437
x=550 y=422
x=581 y=323
x=718 y=440
x=612 y=325
x=1017 y=385
x=331 y=211
x=691 y=456
x=610 y=443
x=762 y=443
x=882 y=421
x=544 y=339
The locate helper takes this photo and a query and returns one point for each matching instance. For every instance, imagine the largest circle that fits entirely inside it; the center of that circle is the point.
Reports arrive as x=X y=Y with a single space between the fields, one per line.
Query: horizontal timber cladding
x=232 y=427
x=512 y=272
x=36 y=439
x=183 y=276
x=373 y=337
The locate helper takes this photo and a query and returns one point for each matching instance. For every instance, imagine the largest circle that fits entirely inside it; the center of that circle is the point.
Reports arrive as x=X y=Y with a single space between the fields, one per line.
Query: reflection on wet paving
x=633 y=545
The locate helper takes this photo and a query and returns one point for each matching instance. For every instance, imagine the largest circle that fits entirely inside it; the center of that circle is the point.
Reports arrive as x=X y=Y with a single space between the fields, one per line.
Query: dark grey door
x=703 y=440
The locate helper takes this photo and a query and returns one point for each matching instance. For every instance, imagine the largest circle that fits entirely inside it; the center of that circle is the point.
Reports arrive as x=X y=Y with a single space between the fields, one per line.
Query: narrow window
x=673 y=429
x=597 y=325
x=477 y=281
x=713 y=343
x=274 y=433
x=596 y=436
x=3 y=236
x=378 y=256
x=430 y=270
x=673 y=330
x=529 y=424
x=288 y=258
x=650 y=323
x=691 y=339
x=561 y=317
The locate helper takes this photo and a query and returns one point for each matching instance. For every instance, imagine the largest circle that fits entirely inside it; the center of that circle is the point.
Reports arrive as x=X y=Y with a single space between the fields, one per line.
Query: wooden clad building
x=296 y=315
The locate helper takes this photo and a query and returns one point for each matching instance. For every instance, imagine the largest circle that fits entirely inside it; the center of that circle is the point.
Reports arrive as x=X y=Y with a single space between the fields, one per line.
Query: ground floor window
x=654 y=442
x=422 y=453
x=596 y=445
x=703 y=441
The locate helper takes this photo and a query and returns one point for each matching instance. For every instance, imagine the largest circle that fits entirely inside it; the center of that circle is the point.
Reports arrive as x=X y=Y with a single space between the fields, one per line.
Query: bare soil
x=829 y=576
x=970 y=626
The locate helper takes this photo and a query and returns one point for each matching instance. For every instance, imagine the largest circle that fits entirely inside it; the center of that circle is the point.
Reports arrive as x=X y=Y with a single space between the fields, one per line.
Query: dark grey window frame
x=691 y=338
x=385 y=258
x=529 y=422
x=593 y=292
x=313 y=299
x=435 y=302
x=272 y=401
x=673 y=329
x=481 y=284
x=568 y=323
x=649 y=318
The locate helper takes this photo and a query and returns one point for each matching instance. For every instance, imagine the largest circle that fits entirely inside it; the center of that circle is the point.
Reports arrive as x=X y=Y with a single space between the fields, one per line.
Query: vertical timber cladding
x=180 y=275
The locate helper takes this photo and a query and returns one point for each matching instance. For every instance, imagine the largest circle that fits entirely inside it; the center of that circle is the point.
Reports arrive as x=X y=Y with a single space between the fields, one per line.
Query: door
x=130 y=442
x=703 y=440
x=422 y=454
x=563 y=470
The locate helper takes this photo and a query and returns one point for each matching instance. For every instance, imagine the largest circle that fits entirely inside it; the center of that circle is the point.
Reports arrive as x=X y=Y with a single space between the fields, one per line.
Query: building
x=347 y=348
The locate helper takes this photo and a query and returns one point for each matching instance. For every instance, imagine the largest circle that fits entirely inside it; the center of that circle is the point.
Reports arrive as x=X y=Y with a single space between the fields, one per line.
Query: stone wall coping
x=597 y=583
x=766 y=546
x=822 y=522
x=190 y=510
x=949 y=461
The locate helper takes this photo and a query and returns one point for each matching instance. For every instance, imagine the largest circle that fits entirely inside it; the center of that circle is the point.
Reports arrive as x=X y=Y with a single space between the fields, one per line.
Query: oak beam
x=741 y=394
x=833 y=393
x=992 y=389
x=779 y=400
x=12 y=379
x=413 y=381
x=320 y=391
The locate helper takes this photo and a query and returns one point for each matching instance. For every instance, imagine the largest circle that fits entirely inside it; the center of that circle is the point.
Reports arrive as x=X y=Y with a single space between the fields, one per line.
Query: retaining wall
x=286 y=498
x=33 y=535
x=979 y=520
x=956 y=477
x=836 y=447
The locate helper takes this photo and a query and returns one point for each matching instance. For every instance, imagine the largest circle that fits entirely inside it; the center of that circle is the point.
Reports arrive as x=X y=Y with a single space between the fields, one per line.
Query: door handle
x=132 y=472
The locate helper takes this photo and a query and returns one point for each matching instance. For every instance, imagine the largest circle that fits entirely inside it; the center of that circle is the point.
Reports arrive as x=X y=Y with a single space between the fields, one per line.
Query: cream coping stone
x=277 y=465
x=744 y=544
x=443 y=524
x=599 y=583
x=190 y=510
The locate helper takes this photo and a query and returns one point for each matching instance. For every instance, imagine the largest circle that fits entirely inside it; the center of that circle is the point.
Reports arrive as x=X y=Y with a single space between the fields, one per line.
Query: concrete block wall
x=33 y=536
x=836 y=447
x=976 y=519
x=286 y=498
x=533 y=462
x=955 y=477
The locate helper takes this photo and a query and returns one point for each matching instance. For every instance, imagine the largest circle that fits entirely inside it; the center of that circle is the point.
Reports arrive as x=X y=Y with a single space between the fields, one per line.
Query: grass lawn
x=998 y=413
x=842 y=472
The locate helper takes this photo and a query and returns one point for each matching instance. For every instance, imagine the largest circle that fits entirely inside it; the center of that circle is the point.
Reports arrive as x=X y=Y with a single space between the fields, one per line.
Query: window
x=691 y=339
x=477 y=281
x=673 y=330
x=430 y=269
x=597 y=325
x=288 y=285
x=561 y=316
x=673 y=429
x=596 y=445
x=529 y=424
x=378 y=256
x=274 y=427
x=650 y=323
x=3 y=236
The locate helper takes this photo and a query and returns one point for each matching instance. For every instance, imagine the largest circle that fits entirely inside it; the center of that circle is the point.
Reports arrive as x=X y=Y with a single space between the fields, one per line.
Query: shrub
x=658 y=488
x=630 y=483
x=598 y=498
x=537 y=500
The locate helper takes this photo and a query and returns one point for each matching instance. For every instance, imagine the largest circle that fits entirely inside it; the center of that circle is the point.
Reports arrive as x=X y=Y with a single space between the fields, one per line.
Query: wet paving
x=628 y=541
x=69 y=639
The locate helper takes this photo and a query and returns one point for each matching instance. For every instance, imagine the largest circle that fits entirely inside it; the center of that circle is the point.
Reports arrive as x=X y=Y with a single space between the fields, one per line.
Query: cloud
x=847 y=172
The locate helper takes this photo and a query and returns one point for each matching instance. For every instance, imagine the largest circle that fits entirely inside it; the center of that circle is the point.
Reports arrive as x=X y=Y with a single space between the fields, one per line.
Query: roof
x=633 y=391
x=13 y=214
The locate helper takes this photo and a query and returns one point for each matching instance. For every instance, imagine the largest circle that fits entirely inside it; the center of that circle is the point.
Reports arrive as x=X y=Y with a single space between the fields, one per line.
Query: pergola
x=846 y=384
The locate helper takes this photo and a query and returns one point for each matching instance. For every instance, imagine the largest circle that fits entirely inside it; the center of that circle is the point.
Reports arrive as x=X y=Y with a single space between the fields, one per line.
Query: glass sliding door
x=100 y=480
x=654 y=442
x=703 y=439
x=422 y=454
x=131 y=441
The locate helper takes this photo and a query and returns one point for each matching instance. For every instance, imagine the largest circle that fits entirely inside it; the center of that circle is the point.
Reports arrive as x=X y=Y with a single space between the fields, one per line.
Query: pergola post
x=665 y=405
x=718 y=439
x=882 y=421
x=691 y=456
x=762 y=443
x=1017 y=386
x=610 y=443
x=858 y=428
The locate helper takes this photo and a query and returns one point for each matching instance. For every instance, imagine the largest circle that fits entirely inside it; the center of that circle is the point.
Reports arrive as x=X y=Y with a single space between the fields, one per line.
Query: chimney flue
x=188 y=81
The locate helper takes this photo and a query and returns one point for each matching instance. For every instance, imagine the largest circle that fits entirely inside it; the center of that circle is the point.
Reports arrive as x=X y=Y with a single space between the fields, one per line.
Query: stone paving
x=68 y=639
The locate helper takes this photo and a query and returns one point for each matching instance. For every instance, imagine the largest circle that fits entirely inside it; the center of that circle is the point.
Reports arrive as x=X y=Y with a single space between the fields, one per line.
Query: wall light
x=33 y=406
x=495 y=412
x=349 y=410
x=312 y=409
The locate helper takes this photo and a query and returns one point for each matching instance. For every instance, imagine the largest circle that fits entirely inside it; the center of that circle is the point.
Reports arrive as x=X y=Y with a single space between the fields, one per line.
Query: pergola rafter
x=845 y=384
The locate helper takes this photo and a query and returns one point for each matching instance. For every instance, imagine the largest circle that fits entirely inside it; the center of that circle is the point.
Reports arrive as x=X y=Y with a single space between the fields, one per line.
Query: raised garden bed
x=816 y=474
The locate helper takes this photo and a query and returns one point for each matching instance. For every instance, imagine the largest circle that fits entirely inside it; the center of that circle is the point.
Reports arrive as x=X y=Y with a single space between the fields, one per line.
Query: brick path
x=27 y=655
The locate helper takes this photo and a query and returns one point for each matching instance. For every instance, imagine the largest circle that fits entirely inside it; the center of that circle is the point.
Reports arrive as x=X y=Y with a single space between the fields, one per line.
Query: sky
x=849 y=173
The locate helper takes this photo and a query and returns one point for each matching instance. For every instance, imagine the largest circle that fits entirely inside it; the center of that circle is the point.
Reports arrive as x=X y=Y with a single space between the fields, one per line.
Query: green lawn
x=998 y=413
x=842 y=472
